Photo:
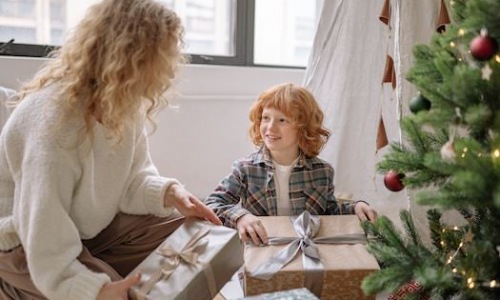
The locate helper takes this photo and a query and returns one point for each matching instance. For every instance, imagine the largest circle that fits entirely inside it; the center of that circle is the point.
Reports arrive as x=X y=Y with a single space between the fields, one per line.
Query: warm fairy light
x=497 y=58
x=496 y=153
x=452 y=44
x=454 y=270
x=455 y=228
x=460 y=59
x=461 y=32
x=464 y=151
x=493 y=283
x=470 y=283
x=451 y=257
x=443 y=230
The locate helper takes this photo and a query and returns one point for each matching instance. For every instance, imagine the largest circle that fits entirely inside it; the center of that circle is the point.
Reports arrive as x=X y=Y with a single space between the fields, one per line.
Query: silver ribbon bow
x=306 y=226
x=172 y=259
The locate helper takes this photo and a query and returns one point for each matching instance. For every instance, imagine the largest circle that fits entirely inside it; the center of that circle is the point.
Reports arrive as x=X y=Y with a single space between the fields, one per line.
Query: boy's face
x=279 y=134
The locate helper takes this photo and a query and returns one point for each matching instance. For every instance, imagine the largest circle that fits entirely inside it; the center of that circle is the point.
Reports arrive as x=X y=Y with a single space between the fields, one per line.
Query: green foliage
x=463 y=259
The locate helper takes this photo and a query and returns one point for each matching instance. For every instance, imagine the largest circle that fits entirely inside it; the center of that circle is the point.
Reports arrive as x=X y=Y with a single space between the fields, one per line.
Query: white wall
x=198 y=142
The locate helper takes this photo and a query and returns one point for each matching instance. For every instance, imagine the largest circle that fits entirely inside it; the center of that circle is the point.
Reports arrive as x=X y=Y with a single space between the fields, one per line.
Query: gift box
x=411 y=288
x=325 y=254
x=295 y=294
x=194 y=262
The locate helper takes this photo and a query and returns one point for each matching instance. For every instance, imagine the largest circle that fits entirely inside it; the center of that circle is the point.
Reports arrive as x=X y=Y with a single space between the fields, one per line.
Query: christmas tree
x=450 y=159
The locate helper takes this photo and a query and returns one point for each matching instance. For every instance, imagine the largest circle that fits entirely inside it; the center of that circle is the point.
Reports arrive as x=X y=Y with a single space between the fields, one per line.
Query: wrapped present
x=295 y=294
x=194 y=262
x=325 y=254
x=411 y=288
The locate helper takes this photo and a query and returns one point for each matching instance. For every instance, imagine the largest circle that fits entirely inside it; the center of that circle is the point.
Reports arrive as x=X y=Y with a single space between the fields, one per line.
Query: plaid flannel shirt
x=250 y=188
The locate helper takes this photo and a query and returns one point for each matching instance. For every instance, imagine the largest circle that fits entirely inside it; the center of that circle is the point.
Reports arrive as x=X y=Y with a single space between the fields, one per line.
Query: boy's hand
x=251 y=229
x=365 y=212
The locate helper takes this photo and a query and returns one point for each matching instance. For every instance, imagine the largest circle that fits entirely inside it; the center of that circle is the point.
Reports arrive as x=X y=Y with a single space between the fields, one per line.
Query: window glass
x=209 y=25
x=284 y=31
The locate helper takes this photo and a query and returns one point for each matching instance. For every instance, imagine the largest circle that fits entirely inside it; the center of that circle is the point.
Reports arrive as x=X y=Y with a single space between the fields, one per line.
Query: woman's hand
x=365 y=212
x=188 y=205
x=118 y=290
x=250 y=228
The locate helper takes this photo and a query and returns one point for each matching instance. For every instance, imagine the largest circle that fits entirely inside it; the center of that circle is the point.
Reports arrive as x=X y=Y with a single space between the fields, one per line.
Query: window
x=284 y=31
x=232 y=32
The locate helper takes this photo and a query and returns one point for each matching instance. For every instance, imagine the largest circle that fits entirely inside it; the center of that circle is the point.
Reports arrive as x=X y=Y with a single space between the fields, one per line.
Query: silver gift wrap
x=194 y=262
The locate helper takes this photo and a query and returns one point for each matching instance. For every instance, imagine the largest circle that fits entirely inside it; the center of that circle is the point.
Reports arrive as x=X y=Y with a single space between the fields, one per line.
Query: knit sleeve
x=146 y=188
x=46 y=174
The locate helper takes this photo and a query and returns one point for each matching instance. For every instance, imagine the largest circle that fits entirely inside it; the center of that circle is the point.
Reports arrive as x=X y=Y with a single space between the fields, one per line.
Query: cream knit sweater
x=53 y=194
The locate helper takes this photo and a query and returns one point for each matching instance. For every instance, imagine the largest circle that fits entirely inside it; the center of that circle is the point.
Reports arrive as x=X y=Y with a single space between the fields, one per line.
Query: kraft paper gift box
x=194 y=262
x=325 y=254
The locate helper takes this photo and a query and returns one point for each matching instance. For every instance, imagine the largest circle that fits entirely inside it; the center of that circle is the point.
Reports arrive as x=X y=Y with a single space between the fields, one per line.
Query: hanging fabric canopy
x=361 y=52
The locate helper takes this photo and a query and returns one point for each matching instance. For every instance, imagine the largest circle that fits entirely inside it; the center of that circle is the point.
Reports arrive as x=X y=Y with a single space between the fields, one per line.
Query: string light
x=470 y=283
x=464 y=150
x=461 y=32
x=452 y=44
x=496 y=153
x=450 y=259
x=497 y=58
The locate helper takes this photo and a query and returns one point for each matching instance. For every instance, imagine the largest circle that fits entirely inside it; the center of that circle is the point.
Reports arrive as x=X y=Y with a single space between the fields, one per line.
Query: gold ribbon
x=172 y=259
x=306 y=227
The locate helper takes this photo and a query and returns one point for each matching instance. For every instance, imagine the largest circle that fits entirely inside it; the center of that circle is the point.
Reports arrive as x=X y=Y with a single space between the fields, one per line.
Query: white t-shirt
x=282 y=183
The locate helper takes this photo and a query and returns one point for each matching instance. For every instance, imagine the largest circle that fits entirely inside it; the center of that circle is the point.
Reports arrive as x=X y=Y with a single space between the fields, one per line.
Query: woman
x=81 y=203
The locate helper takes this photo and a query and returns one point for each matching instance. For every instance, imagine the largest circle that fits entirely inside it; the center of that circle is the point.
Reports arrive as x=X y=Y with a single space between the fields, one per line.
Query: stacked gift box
x=194 y=262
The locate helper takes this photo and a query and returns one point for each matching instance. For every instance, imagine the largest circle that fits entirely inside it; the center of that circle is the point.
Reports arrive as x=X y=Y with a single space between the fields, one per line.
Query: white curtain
x=345 y=73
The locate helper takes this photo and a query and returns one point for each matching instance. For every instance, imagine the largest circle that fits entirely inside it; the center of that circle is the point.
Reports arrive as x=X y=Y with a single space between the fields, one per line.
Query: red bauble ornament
x=483 y=47
x=392 y=181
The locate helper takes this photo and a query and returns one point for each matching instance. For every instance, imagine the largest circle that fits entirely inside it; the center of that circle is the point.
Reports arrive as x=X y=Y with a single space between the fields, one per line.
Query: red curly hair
x=298 y=104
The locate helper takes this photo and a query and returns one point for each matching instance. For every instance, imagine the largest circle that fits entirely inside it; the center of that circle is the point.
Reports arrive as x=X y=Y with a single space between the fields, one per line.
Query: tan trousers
x=116 y=251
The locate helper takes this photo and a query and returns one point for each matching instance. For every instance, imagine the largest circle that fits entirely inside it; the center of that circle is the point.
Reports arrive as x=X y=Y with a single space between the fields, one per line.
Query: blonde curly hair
x=116 y=64
x=298 y=104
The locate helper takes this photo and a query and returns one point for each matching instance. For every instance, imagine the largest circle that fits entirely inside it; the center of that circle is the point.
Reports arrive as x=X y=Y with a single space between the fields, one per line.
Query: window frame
x=244 y=44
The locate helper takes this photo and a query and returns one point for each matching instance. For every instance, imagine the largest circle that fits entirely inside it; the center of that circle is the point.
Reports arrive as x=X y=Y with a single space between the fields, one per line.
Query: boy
x=285 y=176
